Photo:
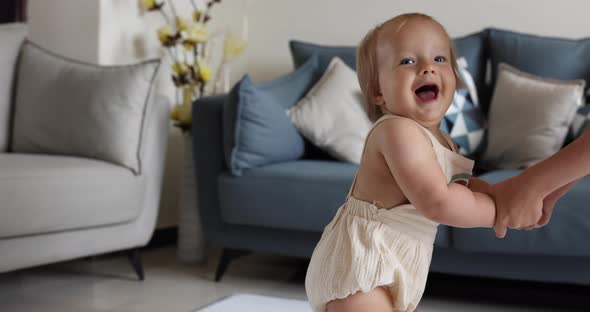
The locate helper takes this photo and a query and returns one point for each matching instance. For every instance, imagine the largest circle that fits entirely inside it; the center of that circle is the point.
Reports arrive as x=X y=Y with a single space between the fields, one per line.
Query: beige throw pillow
x=332 y=114
x=66 y=107
x=529 y=117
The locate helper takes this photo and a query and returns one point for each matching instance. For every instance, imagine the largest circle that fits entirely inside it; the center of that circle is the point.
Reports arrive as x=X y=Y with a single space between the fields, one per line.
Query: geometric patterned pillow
x=581 y=121
x=465 y=123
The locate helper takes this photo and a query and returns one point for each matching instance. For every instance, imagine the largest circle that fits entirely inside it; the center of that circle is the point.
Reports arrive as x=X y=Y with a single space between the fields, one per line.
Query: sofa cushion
x=465 y=123
x=11 y=37
x=256 y=128
x=66 y=107
x=471 y=47
x=556 y=58
x=332 y=114
x=43 y=194
x=545 y=110
x=565 y=235
x=464 y=120
x=301 y=195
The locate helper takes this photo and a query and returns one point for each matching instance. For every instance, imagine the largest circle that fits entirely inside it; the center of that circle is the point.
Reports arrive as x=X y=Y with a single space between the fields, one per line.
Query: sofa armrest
x=209 y=161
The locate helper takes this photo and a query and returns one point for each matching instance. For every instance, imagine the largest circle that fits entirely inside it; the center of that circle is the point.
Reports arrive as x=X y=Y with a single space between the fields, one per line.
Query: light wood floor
x=107 y=283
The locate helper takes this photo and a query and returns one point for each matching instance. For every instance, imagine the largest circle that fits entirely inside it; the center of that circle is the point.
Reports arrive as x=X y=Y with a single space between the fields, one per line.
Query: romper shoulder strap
x=380 y=120
x=450 y=142
x=433 y=141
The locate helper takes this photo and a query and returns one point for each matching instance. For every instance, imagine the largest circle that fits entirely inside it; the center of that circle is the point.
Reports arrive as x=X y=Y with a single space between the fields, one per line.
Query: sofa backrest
x=11 y=39
x=549 y=57
x=472 y=47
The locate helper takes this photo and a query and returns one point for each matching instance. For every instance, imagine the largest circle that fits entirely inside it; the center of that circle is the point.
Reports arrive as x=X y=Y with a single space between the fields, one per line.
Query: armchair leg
x=134 y=257
x=227 y=256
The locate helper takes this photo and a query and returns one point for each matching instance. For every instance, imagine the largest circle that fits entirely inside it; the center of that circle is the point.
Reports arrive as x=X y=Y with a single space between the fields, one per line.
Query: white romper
x=365 y=246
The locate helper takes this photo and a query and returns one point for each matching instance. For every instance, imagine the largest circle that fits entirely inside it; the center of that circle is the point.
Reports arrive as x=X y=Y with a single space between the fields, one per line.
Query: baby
x=375 y=254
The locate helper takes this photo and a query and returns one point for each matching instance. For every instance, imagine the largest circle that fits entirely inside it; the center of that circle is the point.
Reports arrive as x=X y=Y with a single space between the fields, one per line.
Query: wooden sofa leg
x=134 y=257
x=227 y=256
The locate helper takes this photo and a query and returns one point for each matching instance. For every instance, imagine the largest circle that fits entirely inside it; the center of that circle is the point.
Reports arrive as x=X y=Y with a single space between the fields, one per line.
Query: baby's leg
x=377 y=300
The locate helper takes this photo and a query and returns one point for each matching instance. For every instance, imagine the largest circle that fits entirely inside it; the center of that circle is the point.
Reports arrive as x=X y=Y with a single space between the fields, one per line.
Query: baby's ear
x=378 y=99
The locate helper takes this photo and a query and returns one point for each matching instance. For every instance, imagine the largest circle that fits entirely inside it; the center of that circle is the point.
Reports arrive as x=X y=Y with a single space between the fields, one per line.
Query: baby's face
x=416 y=76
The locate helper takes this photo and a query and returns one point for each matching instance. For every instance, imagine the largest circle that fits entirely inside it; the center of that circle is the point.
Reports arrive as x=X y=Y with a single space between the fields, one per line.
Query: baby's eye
x=440 y=59
x=407 y=61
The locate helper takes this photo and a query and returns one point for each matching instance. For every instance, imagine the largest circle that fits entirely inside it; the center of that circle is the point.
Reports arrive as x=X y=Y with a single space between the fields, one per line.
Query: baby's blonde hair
x=367 y=64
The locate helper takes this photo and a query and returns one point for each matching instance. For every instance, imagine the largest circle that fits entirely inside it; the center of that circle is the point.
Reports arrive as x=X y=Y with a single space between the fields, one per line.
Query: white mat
x=258 y=303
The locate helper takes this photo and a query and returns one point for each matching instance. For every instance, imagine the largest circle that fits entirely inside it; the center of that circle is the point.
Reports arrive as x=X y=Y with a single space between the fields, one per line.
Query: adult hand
x=516 y=206
x=549 y=203
x=547 y=211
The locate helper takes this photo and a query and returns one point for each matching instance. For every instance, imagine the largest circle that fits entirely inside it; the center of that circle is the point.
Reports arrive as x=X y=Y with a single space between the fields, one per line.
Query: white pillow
x=332 y=114
x=529 y=117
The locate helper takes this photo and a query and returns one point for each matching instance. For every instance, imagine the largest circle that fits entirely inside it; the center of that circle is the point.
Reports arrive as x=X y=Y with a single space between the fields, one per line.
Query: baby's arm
x=413 y=163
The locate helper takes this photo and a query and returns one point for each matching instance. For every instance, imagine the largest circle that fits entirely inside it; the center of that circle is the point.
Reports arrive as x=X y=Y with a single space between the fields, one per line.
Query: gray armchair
x=57 y=205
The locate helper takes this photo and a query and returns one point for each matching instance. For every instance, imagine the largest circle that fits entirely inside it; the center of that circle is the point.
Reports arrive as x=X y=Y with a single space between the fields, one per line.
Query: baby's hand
x=479 y=185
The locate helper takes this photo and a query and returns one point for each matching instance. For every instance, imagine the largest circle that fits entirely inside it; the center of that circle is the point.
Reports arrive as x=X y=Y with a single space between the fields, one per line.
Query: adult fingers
x=543 y=221
x=500 y=230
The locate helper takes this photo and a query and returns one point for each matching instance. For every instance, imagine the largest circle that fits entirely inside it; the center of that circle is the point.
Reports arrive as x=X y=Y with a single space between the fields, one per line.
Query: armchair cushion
x=45 y=194
x=72 y=108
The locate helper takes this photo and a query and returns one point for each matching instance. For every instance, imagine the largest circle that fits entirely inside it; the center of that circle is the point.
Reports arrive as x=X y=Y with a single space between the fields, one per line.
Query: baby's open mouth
x=427 y=92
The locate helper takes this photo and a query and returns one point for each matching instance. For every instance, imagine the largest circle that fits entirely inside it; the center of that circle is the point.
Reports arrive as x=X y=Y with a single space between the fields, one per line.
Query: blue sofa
x=282 y=207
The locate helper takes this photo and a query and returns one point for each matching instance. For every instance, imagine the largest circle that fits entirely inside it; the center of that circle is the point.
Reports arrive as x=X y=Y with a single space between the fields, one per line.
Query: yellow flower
x=204 y=69
x=233 y=46
x=152 y=5
x=197 y=15
x=167 y=36
x=182 y=74
x=194 y=34
x=180 y=68
x=182 y=24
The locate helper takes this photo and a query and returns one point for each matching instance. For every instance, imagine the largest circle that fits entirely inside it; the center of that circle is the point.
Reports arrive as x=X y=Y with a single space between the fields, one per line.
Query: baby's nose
x=428 y=70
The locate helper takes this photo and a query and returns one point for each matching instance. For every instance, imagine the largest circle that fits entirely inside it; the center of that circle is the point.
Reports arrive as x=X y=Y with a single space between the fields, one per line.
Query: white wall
x=274 y=22
x=67 y=27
